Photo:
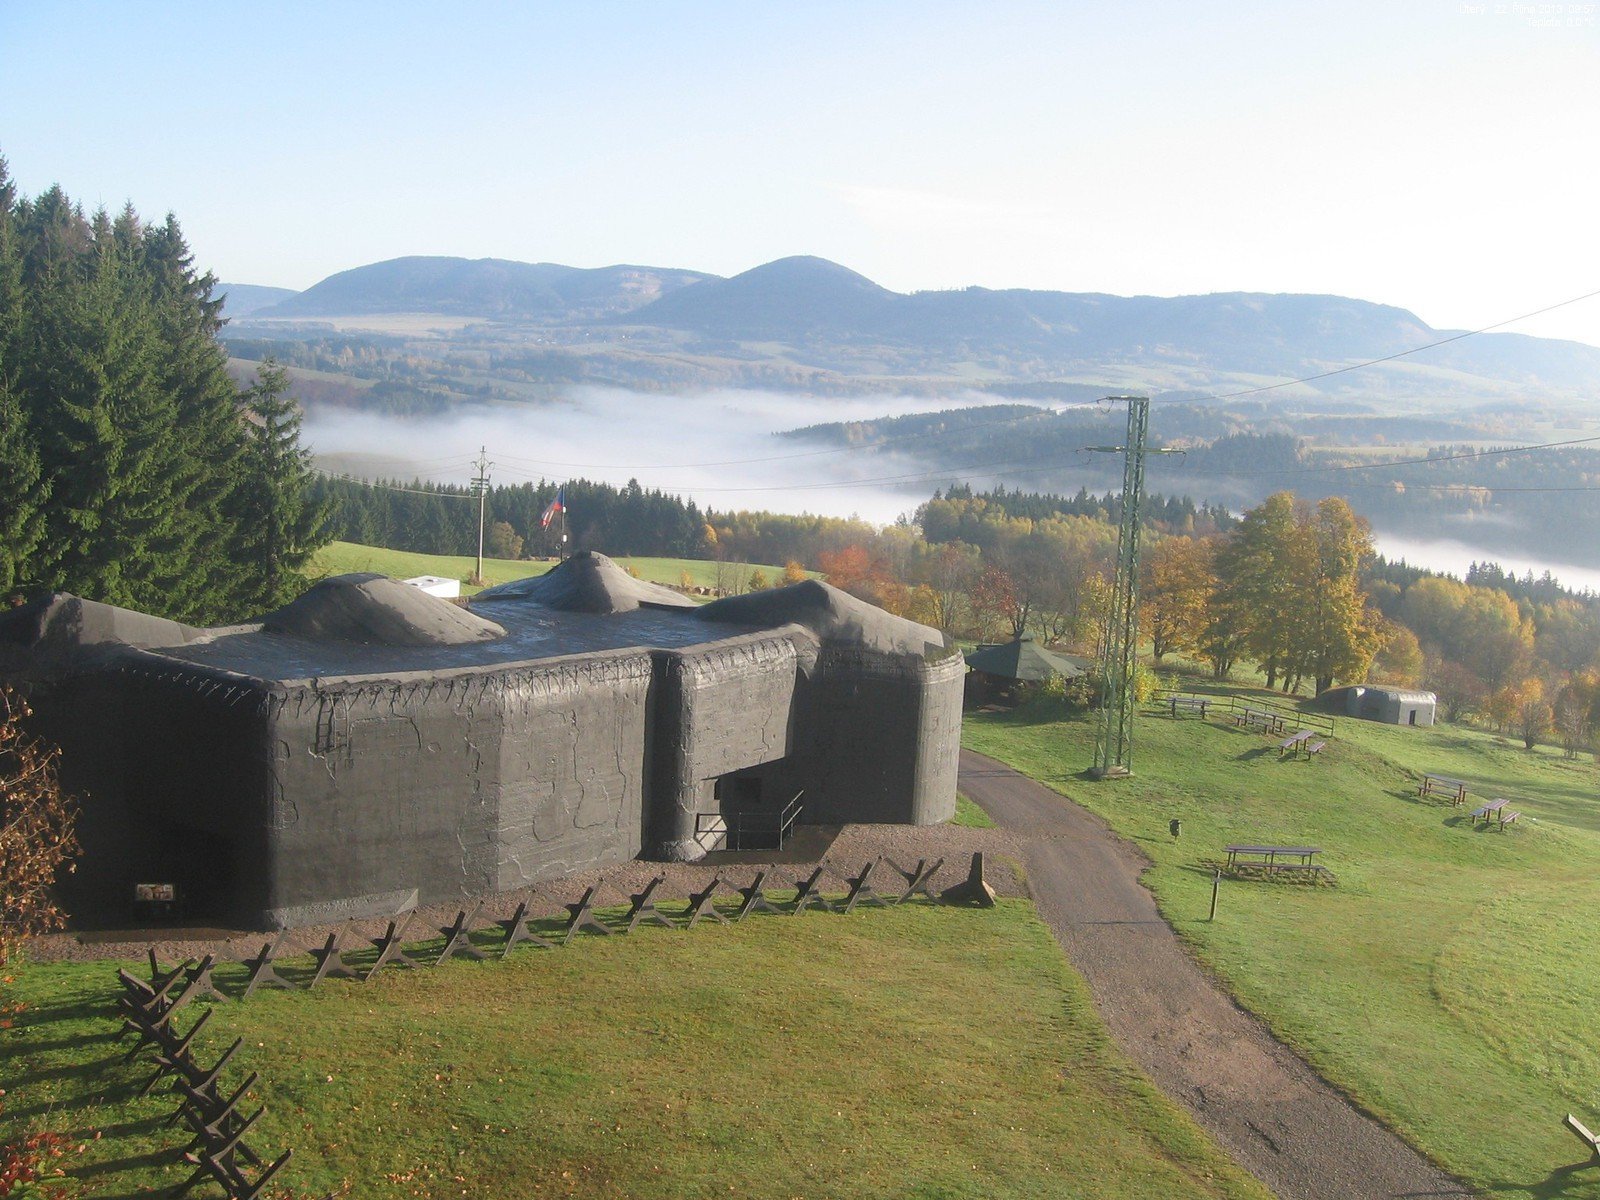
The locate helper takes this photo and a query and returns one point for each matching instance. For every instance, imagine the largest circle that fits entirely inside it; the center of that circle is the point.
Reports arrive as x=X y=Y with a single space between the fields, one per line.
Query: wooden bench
x=1507 y=818
x=1197 y=704
x=1314 y=748
x=1443 y=785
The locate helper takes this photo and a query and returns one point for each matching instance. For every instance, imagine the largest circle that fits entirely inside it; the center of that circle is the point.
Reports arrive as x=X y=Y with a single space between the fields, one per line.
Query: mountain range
x=821 y=313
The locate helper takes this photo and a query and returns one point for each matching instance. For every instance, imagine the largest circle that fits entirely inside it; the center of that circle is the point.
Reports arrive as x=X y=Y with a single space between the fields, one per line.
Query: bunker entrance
x=750 y=812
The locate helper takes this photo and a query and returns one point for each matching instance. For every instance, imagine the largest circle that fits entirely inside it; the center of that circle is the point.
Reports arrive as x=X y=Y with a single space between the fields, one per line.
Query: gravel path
x=1276 y=1116
x=841 y=853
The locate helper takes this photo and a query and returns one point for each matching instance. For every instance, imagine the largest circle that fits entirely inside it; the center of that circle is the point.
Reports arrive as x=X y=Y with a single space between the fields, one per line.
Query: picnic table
x=1273 y=859
x=1294 y=742
x=1494 y=810
x=1270 y=722
x=1189 y=703
x=1443 y=785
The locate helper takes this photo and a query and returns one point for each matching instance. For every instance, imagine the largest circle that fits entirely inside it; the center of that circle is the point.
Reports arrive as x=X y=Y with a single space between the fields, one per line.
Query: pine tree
x=23 y=491
x=208 y=436
x=280 y=524
x=115 y=407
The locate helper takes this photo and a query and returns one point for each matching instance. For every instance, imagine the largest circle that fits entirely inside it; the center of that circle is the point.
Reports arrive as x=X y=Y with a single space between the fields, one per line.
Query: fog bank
x=1453 y=558
x=717 y=448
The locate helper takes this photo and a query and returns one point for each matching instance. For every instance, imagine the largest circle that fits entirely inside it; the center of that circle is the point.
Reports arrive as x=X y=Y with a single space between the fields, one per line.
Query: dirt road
x=1275 y=1115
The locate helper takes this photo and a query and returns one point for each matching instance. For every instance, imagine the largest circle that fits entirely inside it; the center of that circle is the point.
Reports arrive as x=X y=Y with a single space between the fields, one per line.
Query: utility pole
x=1118 y=653
x=480 y=484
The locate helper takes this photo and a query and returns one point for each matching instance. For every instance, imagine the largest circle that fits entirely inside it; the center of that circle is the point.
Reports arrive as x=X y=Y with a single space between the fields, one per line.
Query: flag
x=559 y=504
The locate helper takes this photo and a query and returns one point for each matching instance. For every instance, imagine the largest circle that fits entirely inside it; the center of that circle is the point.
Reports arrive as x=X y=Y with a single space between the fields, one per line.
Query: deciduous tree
x=1174 y=595
x=36 y=829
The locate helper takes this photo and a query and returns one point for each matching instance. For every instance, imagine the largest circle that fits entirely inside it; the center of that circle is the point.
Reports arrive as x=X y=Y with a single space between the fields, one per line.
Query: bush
x=1144 y=684
x=36 y=830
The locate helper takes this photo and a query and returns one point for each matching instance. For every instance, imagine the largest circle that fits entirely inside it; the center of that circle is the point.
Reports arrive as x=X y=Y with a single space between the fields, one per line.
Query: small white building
x=1392 y=706
x=437 y=585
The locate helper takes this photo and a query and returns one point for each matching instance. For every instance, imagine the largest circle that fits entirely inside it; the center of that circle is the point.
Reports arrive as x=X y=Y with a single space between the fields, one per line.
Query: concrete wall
x=571 y=778
x=880 y=736
x=431 y=790
x=719 y=709
x=286 y=804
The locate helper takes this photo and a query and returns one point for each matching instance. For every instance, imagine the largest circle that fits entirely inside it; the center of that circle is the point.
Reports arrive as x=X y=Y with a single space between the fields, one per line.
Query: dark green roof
x=1022 y=659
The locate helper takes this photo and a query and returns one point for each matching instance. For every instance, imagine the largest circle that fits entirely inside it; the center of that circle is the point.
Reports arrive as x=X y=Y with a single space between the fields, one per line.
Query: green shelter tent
x=1022 y=661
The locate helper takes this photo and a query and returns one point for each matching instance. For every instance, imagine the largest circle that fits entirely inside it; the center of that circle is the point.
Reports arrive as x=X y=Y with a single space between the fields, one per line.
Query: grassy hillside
x=338 y=558
x=913 y=1052
x=1449 y=981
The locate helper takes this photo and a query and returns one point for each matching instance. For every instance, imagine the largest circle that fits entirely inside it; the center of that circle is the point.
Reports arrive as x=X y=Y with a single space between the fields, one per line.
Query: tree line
x=132 y=469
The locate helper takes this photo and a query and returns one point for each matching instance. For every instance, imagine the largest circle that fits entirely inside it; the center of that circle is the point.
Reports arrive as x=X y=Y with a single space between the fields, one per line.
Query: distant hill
x=807 y=322
x=806 y=299
x=486 y=287
x=792 y=297
x=242 y=299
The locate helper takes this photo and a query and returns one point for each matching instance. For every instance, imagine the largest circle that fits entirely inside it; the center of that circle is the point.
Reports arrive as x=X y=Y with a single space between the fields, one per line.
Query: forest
x=133 y=470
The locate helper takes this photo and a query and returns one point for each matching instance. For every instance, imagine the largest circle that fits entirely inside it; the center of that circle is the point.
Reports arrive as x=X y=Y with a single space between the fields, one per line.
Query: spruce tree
x=120 y=429
x=23 y=491
x=280 y=524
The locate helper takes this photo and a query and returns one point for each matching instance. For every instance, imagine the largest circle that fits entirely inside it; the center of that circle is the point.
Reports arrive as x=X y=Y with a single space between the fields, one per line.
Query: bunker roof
x=369 y=625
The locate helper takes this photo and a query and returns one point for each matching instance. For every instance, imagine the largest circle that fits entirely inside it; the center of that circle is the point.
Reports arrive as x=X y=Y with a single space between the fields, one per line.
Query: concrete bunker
x=371 y=747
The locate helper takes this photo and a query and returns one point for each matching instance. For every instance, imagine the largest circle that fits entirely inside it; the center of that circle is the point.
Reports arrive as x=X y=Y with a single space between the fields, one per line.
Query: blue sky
x=1438 y=156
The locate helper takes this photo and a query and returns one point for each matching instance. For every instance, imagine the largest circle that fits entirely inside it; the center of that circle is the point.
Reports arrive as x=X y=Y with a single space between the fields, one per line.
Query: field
x=338 y=558
x=1449 y=981
x=915 y=1052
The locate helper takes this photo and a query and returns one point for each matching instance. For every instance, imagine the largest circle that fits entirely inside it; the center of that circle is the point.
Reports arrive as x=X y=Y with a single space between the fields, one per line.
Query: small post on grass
x=1216 y=882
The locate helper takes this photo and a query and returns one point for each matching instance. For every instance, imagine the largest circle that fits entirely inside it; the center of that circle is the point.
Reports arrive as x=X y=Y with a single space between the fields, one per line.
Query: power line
x=1372 y=362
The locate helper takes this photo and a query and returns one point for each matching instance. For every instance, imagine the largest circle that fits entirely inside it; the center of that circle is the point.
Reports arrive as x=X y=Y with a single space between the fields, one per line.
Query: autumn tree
x=1571 y=710
x=1457 y=688
x=1173 y=596
x=36 y=829
x=1534 y=715
x=948 y=572
x=1257 y=566
x=1399 y=657
x=1339 y=634
x=992 y=600
x=847 y=569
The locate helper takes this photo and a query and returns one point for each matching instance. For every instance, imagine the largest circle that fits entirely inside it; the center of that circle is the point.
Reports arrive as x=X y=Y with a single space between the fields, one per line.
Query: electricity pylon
x=1118 y=654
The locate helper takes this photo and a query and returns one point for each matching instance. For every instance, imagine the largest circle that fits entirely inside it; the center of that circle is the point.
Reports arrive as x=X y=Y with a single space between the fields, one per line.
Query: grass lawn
x=969 y=815
x=912 y=1052
x=1450 y=981
x=338 y=558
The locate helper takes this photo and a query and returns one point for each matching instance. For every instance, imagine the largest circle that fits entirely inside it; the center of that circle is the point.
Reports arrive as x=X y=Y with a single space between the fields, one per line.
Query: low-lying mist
x=718 y=448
